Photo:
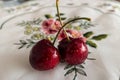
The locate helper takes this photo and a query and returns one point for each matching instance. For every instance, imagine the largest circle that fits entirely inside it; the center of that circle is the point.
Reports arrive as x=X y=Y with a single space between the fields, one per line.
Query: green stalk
x=58 y=12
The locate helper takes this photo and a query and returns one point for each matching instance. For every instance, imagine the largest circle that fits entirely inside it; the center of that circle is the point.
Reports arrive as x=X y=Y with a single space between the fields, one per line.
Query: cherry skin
x=44 y=56
x=73 y=51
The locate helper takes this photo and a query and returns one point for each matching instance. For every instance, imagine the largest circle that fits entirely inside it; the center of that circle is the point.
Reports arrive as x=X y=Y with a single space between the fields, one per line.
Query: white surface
x=14 y=63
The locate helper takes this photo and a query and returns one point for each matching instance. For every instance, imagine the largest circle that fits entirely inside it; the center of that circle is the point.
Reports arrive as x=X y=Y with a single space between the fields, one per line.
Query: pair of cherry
x=44 y=55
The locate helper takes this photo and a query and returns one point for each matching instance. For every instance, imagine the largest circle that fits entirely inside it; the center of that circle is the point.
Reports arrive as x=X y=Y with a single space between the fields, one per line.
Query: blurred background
x=10 y=3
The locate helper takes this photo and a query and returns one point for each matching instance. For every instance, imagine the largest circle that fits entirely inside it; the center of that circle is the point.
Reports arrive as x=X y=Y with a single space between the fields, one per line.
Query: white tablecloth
x=14 y=62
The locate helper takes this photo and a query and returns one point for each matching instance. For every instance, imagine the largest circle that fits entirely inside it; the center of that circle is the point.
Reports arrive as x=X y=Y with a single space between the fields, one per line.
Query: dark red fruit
x=44 y=55
x=73 y=51
x=63 y=44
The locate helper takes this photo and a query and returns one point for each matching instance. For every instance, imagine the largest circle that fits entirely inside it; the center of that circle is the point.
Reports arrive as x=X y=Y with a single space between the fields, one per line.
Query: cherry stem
x=72 y=20
x=58 y=12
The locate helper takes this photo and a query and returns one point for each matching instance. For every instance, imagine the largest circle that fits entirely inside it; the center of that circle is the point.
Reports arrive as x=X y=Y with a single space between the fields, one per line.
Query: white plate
x=14 y=63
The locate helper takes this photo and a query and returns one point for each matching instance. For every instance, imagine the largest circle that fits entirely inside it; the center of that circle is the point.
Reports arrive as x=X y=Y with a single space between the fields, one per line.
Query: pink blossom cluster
x=51 y=26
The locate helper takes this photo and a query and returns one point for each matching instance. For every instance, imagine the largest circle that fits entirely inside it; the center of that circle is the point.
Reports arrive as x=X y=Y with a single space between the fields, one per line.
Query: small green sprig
x=90 y=38
x=31 y=22
x=25 y=43
x=84 y=24
x=91 y=43
x=47 y=16
x=61 y=14
x=99 y=37
x=88 y=34
x=77 y=69
x=91 y=59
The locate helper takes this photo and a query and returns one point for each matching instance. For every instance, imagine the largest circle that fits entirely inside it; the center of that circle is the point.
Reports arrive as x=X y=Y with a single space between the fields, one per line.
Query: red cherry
x=74 y=51
x=63 y=44
x=44 y=55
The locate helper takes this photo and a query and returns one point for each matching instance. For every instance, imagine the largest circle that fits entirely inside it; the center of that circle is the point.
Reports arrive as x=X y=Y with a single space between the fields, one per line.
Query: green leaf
x=69 y=71
x=81 y=66
x=81 y=71
x=29 y=45
x=61 y=14
x=68 y=66
x=88 y=34
x=62 y=18
x=91 y=43
x=100 y=37
x=48 y=16
x=91 y=58
x=75 y=76
x=23 y=42
x=21 y=46
x=37 y=21
x=30 y=41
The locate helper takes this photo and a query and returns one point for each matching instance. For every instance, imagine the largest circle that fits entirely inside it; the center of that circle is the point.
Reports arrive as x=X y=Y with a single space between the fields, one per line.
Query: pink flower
x=51 y=26
x=71 y=33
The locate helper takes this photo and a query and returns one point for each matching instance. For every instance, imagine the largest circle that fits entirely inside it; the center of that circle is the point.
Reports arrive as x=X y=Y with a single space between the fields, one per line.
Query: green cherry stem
x=72 y=20
x=58 y=12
